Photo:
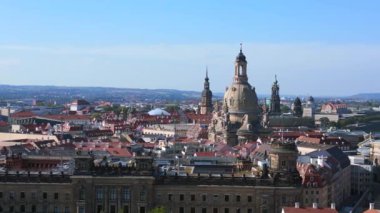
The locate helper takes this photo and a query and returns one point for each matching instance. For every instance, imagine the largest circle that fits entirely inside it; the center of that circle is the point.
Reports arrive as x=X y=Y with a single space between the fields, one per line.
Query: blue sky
x=319 y=47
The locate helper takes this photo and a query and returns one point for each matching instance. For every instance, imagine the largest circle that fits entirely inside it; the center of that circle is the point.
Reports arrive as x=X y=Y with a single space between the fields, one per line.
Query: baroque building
x=239 y=119
x=206 y=99
x=136 y=188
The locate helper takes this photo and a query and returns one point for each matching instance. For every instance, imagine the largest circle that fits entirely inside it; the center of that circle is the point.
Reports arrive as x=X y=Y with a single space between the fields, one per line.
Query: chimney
x=297 y=205
x=315 y=205
x=371 y=205
x=333 y=206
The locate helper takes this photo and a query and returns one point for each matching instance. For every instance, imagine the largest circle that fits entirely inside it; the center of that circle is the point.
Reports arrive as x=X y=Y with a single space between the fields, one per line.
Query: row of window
x=34 y=209
x=32 y=195
x=214 y=210
x=112 y=209
x=203 y=197
x=312 y=192
x=123 y=194
x=311 y=200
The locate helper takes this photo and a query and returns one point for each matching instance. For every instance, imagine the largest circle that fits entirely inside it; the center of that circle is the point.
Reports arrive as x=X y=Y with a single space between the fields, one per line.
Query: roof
x=372 y=211
x=158 y=112
x=204 y=154
x=308 y=210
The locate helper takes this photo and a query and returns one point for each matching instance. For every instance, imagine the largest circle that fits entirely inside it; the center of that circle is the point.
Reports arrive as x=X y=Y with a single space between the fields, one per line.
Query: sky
x=315 y=47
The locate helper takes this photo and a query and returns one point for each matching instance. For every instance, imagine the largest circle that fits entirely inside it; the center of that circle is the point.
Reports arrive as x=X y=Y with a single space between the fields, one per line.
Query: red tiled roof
x=372 y=211
x=67 y=117
x=309 y=139
x=23 y=114
x=204 y=154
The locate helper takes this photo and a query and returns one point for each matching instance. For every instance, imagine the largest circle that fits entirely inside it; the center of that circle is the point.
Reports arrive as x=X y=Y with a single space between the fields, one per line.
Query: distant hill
x=64 y=94
x=365 y=96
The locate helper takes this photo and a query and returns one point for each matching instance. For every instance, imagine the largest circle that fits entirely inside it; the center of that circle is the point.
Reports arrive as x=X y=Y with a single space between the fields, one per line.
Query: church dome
x=241 y=98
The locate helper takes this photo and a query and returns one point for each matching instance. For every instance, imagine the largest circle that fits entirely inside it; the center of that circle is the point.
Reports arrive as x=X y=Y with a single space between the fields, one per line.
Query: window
x=237 y=198
x=11 y=195
x=126 y=193
x=22 y=195
x=44 y=195
x=126 y=209
x=181 y=210
x=226 y=198
x=204 y=197
x=81 y=194
x=143 y=195
x=204 y=210
x=181 y=197
x=216 y=197
x=99 y=209
x=192 y=210
x=1 y=209
x=81 y=209
x=99 y=193
x=237 y=210
x=113 y=193
x=142 y=209
x=283 y=163
x=215 y=210
x=1 y=194
x=22 y=208
x=112 y=209
x=226 y=210
x=67 y=209
x=249 y=211
x=249 y=198
x=56 y=196
x=170 y=197
x=11 y=208
x=56 y=209
x=34 y=208
x=192 y=197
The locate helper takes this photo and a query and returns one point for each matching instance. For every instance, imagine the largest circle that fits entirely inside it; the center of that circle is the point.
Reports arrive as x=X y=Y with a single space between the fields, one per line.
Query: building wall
x=138 y=194
x=36 y=197
x=128 y=194
x=212 y=198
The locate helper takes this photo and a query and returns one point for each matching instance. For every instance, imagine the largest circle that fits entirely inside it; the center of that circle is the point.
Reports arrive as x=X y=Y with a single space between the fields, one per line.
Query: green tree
x=284 y=109
x=159 y=209
x=325 y=122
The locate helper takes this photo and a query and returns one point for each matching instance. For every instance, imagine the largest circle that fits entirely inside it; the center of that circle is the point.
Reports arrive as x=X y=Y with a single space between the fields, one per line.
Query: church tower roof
x=241 y=56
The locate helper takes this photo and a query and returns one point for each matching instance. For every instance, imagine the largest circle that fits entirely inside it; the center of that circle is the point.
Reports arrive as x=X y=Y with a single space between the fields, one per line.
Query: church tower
x=206 y=99
x=275 y=107
x=241 y=104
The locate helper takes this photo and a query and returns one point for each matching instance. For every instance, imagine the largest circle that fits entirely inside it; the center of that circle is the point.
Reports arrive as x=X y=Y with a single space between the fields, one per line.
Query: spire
x=241 y=47
x=206 y=73
x=275 y=78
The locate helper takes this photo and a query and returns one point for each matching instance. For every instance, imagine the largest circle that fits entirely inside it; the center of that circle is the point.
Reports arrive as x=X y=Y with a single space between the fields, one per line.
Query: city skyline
x=317 y=48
